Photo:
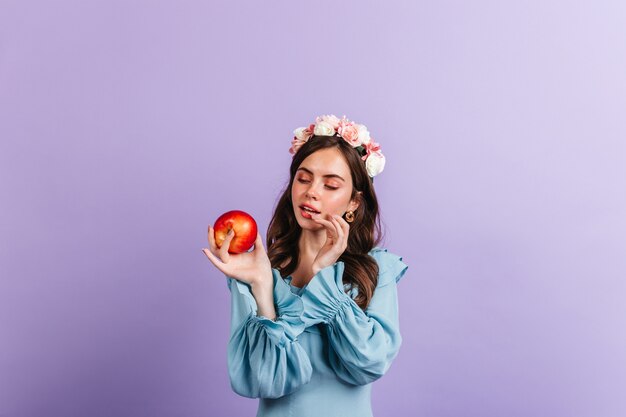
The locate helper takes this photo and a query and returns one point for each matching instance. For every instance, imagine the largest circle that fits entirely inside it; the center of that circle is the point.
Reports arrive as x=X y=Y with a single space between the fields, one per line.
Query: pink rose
x=296 y=144
x=370 y=148
x=350 y=134
x=343 y=123
x=301 y=136
x=364 y=134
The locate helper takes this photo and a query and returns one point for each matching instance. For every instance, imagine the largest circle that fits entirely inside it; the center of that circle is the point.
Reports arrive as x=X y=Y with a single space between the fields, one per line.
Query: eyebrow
x=325 y=176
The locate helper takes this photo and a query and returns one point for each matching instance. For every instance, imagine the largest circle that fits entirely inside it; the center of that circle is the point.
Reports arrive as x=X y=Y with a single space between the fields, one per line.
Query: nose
x=312 y=193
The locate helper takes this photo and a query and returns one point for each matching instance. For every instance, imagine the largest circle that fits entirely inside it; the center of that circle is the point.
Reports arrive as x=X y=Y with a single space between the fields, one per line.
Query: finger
x=212 y=244
x=324 y=223
x=331 y=228
x=258 y=243
x=338 y=228
x=224 y=255
x=344 y=223
x=345 y=226
x=214 y=260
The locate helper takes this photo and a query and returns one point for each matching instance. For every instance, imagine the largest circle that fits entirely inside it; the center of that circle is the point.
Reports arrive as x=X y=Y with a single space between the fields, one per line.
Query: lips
x=309 y=208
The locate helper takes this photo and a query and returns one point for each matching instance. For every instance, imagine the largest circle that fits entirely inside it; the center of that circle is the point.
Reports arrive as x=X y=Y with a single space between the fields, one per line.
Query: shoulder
x=390 y=266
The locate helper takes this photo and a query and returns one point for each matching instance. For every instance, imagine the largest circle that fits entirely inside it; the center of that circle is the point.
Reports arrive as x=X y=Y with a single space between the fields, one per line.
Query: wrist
x=264 y=284
x=261 y=289
x=264 y=297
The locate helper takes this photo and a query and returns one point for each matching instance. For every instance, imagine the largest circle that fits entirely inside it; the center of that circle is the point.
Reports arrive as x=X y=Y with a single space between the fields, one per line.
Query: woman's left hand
x=337 y=230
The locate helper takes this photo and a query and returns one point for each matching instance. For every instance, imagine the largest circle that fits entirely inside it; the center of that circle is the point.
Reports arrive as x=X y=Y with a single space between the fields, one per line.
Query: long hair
x=283 y=234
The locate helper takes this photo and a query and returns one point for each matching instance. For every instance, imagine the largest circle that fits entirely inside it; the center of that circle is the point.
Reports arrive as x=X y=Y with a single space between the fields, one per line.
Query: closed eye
x=307 y=181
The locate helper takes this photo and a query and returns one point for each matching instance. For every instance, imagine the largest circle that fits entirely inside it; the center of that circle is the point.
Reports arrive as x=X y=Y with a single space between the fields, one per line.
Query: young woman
x=314 y=320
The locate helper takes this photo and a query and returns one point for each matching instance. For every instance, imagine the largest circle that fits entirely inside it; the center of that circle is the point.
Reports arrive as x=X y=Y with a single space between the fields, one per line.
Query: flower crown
x=355 y=134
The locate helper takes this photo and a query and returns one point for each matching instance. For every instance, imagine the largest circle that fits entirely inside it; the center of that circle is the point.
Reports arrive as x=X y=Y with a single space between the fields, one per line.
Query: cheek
x=296 y=189
x=337 y=200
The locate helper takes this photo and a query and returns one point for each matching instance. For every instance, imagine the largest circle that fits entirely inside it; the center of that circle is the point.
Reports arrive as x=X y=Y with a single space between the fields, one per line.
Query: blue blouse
x=321 y=354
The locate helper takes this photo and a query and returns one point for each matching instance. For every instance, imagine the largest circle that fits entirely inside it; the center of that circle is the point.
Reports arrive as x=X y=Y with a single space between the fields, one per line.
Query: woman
x=314 y=320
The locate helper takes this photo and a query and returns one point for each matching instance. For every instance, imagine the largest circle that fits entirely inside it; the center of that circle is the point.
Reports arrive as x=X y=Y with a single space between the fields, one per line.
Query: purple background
x=127 y=127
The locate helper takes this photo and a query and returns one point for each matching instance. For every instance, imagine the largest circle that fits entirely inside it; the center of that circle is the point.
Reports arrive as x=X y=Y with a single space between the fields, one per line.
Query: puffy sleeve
x=363 y=343
x=265 y=359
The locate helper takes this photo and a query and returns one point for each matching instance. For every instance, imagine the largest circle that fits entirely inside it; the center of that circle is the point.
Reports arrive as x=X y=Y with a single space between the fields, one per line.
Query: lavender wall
x=126 y=127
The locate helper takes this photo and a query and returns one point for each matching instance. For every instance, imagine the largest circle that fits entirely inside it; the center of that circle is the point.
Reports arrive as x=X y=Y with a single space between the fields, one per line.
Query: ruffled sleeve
x=265 y=359
x=363 y=344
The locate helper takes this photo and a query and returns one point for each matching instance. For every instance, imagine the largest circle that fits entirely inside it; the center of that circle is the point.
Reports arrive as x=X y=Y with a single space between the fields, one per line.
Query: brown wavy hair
x=283 y=233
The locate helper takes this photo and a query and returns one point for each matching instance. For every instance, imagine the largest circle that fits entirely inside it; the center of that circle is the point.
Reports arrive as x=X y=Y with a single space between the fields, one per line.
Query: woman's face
x=324 y=183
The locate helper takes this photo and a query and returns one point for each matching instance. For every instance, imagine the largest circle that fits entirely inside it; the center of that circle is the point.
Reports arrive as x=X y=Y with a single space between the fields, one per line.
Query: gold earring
x=350 y=216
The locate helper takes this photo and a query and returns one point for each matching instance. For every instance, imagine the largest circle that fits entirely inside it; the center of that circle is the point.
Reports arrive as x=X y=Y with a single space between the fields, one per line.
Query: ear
x=354 y=204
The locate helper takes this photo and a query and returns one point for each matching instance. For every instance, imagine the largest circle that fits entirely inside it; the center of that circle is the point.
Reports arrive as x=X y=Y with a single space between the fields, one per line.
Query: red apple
x=242 y=224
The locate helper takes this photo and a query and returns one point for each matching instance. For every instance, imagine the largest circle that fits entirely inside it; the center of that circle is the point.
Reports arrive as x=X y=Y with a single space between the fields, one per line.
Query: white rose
x=375 y=163
x=323 y=128
x=364 y=134
x=330 y=118
x=302 y=134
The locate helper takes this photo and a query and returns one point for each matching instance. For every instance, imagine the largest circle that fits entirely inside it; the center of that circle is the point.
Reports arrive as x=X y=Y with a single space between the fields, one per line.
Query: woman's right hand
x=253 y=268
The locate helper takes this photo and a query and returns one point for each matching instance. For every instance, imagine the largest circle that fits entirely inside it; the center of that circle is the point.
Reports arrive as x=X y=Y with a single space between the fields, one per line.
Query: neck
x=310 y=244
